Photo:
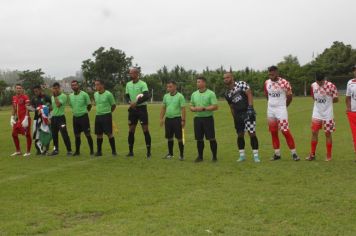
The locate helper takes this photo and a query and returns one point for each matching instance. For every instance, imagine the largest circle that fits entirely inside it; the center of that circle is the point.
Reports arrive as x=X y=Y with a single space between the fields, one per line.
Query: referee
x=105 y=105
x=203 y=102
x=174 y=110
x=239 y=97
x=80 y=103
x=137 y=96
x=58 y=120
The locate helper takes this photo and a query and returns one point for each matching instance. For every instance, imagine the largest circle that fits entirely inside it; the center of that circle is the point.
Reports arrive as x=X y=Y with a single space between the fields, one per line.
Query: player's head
x=201 y=82
x=354 y=70
x=37 y=90
x=319 y=78
x=228 y=79
x=273 y=72
x=171 y=86
x=99 y=85
x=56 y=88
x=18 y=89
x=75 y=85
x=134 y=73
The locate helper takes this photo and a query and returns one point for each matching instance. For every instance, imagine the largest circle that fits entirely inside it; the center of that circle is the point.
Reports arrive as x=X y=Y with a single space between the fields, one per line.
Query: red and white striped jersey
x=351 y=92
x=323 y=100
x=277 y=92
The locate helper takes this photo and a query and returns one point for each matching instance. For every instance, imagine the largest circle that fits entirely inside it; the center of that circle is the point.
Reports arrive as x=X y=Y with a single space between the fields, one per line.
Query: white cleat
x=27 y=154
x=15 y=154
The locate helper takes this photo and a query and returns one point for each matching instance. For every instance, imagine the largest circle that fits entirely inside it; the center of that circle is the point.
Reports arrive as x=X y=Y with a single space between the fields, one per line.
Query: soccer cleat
x=114 y=154
x=241 y=159
x=214 y=159
x=275 y=157
x=69 y=153
x=328 y=159
x=38 y=153
x=27 y=154
x=76 y=154
x=130 y=154
x=181 y=158
x=256 y=159
x=15 y=154
x=168 y=156
x=148 y=156
x=54 y=153
x=295 y=157
x=310 y=158
x=92 y=153
x=98 y=154
x=198 y=159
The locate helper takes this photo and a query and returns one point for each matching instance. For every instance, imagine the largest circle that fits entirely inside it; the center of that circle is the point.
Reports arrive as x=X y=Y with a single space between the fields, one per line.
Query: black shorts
x=243 y=123
x=173 y=127
x=103 y=124
x=138 y=114
x=81 y=124
x=204 y=126
x=58 y=122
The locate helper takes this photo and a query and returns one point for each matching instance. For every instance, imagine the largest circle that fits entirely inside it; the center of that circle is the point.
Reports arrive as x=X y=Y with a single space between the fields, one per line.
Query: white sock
x=293 y=151
x=242 y=153
x=277 y=152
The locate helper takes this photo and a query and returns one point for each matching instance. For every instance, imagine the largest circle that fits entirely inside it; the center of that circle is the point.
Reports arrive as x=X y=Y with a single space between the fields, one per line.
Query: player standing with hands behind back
x=137 y=96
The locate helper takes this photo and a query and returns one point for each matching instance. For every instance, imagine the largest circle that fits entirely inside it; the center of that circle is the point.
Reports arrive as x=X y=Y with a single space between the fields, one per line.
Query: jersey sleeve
x=70 y=101
x=127 y=89
x=213 y=99
x=333 y=91
x=164 y=102
x=144 y=87
x=312 y=91
x=111 y=99
x=62 y=99
x=243 y=86
x=87 y=99
x=27 y=100
x=288 y=88
x=182 y=101
x=192 y=102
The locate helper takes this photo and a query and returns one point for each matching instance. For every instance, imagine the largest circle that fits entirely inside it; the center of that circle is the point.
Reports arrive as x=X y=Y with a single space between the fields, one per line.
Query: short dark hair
x=36 y=87
x=100 y=81
x=172 y=82
x=354 y=68
x=273 y=68
x=201 y=77
x=319 y=76
x=56 y=84
x=18 y=85
x=74 y=81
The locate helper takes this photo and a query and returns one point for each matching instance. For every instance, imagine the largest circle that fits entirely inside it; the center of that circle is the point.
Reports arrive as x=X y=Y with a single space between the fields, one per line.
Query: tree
x=111 y=66
x=31 y=78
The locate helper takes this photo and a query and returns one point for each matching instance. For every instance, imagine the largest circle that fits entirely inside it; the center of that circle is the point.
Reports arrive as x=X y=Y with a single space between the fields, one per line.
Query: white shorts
x=277 y=113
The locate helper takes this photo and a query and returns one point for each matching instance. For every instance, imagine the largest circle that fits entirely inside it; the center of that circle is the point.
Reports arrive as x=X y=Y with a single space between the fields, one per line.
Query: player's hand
x=12 y=121
x=199 y=108
x=193 y=109
x=183 y=123
x=161 y=122
x=24 y=123
x=251 y=111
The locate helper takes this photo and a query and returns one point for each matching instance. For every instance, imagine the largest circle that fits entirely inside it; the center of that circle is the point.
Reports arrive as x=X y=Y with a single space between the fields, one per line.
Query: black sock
x=90 y=142
x=170 y=147
x=241 y=142
x=254 y=143
x=112 y=144
x=77 y=144
x=36 y=145
x=200 y=146
x=181 y=148
x=214 y=148
x=131 y=141
x=148 y=141
x=99 y=142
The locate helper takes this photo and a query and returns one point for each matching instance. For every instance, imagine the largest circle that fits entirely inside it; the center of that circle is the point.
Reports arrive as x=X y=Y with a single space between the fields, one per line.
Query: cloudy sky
x=57 y=35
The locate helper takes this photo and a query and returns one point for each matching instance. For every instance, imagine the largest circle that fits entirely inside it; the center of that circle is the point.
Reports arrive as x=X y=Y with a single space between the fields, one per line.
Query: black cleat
x=275 y=157
x=114 y=154
x=98 y=154
x=76 y=154
x=214 y=159
x=54 y=153
x=148 y=155
x=181 y=158
x=295 y=157
x=130 y=154
x=69 y=153
x=198 y=159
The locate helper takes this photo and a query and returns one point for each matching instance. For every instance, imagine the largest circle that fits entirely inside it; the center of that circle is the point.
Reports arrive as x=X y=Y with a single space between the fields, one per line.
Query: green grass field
x=120 y=196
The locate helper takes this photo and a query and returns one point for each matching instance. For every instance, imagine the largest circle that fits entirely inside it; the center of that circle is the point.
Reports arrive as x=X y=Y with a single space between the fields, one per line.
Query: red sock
x=289 y=138
x=16 y=141
x=329 y=147
x=313 y=147
x=275 y=139
x=28 y=142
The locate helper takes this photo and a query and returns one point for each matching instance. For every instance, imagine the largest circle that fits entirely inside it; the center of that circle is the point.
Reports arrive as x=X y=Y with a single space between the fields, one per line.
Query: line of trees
x=112 y=65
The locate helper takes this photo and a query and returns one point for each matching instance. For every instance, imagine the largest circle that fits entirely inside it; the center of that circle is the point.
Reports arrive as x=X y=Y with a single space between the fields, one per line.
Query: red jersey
x=19 y=102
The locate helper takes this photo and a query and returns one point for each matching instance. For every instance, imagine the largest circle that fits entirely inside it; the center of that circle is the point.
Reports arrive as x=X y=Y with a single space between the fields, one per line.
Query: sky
x=57 y=35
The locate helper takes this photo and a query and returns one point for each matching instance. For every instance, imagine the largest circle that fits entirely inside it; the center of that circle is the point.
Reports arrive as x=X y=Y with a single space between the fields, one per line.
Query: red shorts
x=329 y=125
x=18 y=129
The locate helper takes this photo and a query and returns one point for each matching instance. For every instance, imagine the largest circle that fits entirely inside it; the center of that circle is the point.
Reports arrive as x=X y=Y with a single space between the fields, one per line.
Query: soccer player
x=279 y=95
x=105 y=106
x=39 y=99
x=173 y=110
x=203 y=102
x=324 y=94
x=137 y=96
x=239 y=97
x=351 y=105
x=58 y=120
x=80 y=103
x=20 y=120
